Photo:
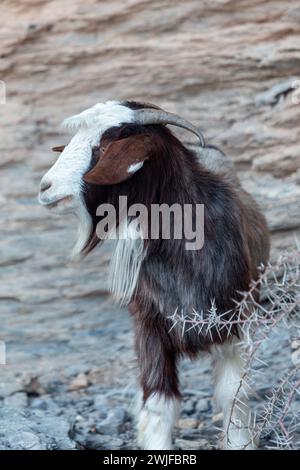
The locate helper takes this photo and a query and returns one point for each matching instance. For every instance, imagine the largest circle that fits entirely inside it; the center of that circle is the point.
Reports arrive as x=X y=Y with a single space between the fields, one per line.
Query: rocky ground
x=70 y=377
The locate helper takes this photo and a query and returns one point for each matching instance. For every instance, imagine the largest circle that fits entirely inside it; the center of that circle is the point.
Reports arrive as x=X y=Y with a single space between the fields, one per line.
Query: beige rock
x=79 y=382
x=188 y=423
x=217 y=417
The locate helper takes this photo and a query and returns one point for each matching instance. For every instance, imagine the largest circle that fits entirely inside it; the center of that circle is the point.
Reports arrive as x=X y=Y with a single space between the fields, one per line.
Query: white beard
x=85 y=226
x=125 y=264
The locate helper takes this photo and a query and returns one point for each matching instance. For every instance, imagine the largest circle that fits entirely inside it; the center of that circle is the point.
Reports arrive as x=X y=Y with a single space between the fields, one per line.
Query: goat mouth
x=59 y=202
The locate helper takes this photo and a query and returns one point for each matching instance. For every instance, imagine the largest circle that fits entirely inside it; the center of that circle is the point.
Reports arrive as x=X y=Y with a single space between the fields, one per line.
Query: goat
x=125 y=149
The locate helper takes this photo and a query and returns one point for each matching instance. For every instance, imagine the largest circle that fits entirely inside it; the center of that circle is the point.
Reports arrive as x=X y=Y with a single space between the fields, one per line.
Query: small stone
x=114 y=422
x=217 y=417
x=33 y=430
x=99 y=442
x=76 y=369
x=295 y=356
x=39 y=404
x=191 y=434
x=95 y=376
x=188 y=423
x=189 y=407
x=79 y=382
x=17 y=400
x=203 y=405
x=45 y=404
x=198 y=444
x=82 y=426
x=55 y=429
x=25 y=440
x=295 y=344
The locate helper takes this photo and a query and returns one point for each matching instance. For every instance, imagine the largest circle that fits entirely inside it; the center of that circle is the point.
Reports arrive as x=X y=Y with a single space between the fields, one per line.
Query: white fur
x=84 y=229
x=66 y=174
x=156 y=421
x=134 y=167
x=229 y=368
x=101 y=115
x=125 y=263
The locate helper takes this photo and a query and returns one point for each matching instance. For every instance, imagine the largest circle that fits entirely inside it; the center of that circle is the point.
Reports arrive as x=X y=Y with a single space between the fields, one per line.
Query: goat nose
x=45 y=185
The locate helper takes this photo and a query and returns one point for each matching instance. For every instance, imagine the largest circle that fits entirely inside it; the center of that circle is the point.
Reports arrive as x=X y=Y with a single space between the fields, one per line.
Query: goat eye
x=59 y=149
x=96 y=151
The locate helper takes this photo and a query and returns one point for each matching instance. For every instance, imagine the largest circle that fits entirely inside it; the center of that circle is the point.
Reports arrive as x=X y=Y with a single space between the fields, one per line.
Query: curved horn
x=152 y=116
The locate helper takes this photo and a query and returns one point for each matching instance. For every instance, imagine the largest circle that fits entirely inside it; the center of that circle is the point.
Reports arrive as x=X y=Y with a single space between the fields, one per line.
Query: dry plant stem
x=280 y=286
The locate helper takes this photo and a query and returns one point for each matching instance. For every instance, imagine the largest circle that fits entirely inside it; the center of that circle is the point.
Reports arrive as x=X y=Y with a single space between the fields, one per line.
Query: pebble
x=199 y=444
x=17 y=400
x=203 y=405
x=188 y=407
x=218 y=417
x=114 y=422
x=99 y=442
x=79 y=382
x=188 y=423
x=33 y=430
x=25 y=440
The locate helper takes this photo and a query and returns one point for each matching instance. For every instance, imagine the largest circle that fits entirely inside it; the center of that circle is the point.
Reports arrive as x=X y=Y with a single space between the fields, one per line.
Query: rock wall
x=228 y=66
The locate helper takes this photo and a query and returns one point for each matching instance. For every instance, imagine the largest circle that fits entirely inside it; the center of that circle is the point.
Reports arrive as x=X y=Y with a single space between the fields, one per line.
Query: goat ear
x=120 y=160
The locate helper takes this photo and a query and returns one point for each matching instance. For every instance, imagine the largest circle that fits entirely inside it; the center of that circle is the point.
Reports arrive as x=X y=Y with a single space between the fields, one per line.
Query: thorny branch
x=279 y=308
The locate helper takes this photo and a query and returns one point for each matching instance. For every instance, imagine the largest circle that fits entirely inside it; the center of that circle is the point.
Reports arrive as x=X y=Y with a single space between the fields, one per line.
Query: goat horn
x=153 y=116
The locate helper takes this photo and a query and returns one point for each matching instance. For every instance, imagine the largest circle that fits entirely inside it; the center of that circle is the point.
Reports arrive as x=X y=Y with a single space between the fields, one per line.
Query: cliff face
x=227 y=66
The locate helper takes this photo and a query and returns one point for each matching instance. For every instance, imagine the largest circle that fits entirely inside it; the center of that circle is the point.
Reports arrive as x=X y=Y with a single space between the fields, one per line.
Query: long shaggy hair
x=164 y=277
